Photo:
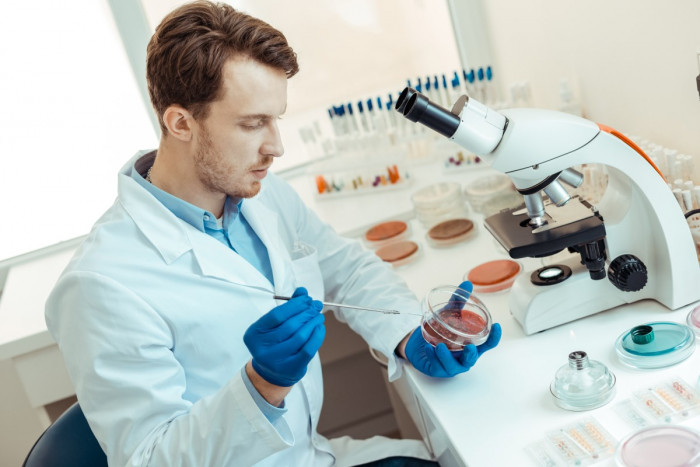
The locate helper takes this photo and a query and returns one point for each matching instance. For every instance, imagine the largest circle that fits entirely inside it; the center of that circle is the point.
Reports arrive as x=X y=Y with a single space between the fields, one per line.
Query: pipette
x=340 y=305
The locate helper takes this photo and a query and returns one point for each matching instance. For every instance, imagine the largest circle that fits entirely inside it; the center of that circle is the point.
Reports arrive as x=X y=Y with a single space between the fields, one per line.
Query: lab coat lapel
x=217 y=260
x=173 y=237
x=265 y=223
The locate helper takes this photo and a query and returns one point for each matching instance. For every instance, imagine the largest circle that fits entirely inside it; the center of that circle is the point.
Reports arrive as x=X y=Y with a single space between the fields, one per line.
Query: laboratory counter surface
x=486 y=417
x=501 y=412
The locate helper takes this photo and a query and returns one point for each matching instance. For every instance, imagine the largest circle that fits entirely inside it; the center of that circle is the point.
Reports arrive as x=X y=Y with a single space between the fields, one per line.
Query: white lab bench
x=485 y=417
x=489 y=415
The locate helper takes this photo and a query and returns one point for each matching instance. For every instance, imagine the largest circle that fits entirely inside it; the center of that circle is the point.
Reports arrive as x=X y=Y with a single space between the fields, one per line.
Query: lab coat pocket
x=307 y=272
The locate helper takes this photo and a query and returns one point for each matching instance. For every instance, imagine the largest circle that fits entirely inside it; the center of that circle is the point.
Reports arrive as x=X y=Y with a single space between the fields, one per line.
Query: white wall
x=633 y=61
x=348 y=50
x=71 y=117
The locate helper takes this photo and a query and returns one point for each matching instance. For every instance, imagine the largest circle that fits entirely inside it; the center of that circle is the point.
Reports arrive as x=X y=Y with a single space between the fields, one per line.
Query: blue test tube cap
x=436 y=82
x=359 y=106
x=369 y=105
x=427 y=84
x=408 y=83
x=455 y=81
x=350 y=108
x=470 y=75
x=489 y=73
x=480 y=74
x=444 y=81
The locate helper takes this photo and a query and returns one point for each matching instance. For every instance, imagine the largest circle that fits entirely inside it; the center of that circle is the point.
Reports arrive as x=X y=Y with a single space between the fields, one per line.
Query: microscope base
x=537 y=308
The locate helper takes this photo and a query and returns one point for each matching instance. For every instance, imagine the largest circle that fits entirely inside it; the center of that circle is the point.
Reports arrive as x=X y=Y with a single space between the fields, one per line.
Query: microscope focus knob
x=628 y=273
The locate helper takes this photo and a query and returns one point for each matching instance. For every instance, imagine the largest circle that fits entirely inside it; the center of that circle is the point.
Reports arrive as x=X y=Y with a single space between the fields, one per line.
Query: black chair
x=68 y=442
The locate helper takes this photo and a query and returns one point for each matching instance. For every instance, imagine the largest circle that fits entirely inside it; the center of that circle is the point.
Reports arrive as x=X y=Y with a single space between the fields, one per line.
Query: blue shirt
x=234 y=231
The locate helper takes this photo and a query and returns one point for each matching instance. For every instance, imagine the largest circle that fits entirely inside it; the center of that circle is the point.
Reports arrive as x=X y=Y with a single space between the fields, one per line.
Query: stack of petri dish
x=390 y=240
x=439 y=202
x=491 y=194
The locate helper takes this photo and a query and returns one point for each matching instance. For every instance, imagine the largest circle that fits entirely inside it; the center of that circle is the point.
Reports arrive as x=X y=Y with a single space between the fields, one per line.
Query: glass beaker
x=455 y=317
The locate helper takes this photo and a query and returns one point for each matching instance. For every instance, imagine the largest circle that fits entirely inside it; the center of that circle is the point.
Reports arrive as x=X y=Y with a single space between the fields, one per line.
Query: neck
x=173 y=171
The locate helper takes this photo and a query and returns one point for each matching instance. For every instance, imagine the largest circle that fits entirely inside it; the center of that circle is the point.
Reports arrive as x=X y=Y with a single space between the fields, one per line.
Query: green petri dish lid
x=655 y=345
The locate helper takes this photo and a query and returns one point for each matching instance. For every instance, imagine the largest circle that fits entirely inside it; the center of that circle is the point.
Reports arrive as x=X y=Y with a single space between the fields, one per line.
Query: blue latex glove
x=285 y=339
x=439 y=361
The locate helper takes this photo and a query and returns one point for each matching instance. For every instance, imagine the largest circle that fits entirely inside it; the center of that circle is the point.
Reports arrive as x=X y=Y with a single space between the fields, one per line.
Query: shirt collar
x=199 y=218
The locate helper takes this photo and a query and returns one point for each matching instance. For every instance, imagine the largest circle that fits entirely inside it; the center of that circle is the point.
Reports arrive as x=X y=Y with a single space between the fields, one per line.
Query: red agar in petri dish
x=494 y=276
x=438 y=330
x=450 y=231
x=385 y=230
x=397 y=252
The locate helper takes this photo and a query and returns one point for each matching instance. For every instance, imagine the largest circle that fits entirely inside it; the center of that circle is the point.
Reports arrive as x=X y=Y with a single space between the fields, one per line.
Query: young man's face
x=239 y=138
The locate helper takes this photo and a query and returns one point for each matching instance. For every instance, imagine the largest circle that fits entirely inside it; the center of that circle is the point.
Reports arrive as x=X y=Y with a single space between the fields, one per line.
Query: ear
x=179 y=122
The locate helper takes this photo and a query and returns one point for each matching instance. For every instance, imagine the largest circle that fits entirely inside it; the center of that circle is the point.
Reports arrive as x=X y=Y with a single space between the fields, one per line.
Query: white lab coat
x=150 y=315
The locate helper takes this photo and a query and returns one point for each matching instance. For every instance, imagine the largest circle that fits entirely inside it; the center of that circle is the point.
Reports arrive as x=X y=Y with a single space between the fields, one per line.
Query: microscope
x=633 y=245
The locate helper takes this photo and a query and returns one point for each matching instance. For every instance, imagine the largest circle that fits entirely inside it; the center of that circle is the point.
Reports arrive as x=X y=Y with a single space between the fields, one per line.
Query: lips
x=260 y=173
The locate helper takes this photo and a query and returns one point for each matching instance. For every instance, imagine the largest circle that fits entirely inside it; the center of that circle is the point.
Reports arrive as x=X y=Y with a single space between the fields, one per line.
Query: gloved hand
x=439 y=361
x=285 y=339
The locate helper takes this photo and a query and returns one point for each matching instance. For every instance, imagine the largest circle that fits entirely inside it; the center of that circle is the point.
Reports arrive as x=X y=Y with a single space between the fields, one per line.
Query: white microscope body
x=638 y=215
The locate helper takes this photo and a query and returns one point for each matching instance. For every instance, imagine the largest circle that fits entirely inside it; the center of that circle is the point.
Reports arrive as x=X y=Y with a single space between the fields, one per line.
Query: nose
x=272 y=145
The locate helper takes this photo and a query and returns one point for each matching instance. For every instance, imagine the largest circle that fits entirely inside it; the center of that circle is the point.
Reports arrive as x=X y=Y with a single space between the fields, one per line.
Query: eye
x=256 y=125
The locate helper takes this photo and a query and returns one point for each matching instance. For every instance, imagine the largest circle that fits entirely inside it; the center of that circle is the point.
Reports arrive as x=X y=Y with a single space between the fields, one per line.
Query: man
x=179 y=353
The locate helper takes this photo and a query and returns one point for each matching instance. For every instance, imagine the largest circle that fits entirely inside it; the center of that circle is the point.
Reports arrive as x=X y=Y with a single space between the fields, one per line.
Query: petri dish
x=490 y=194
x=494 y=276
x=398 y=253
x=693 y=320
x=450 y=232
x=454 y=317
x=438 y=202
x=655 y=345
x=667 y=445
x=582 y=384
x=384 y=232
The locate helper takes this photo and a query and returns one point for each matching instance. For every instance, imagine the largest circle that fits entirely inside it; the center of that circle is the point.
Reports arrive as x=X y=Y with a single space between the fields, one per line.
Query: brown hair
x=187 y=53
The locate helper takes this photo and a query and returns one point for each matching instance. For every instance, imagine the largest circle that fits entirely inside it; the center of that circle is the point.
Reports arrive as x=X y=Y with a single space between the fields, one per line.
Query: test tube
x=677 y=192
x=687 y=199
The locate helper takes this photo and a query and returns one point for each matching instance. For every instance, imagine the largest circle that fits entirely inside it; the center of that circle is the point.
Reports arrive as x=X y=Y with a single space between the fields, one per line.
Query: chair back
x=68 y=442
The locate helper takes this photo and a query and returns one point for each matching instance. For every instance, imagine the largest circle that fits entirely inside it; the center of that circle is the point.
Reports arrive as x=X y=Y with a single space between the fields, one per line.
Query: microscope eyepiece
x=419 y=109
x=406 y=94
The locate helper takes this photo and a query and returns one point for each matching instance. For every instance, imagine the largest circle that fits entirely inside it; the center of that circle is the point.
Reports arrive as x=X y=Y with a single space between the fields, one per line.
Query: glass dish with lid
x=582 y=384
x=455 y=317
x=657 y=344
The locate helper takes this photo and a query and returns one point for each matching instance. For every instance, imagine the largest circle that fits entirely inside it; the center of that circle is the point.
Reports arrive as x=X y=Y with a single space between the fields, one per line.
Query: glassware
x=491 y=193
x=655 y=345
x=693 y=320
x=582 y=384
x=386 y=232
x=439 y=202
x=455 y=317
x=667 y=445
x=399 y=253
x=450 y=232
x=494 y=276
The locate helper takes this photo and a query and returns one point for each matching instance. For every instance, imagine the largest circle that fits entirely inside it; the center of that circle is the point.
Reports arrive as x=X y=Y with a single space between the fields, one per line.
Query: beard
x=220 y=176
